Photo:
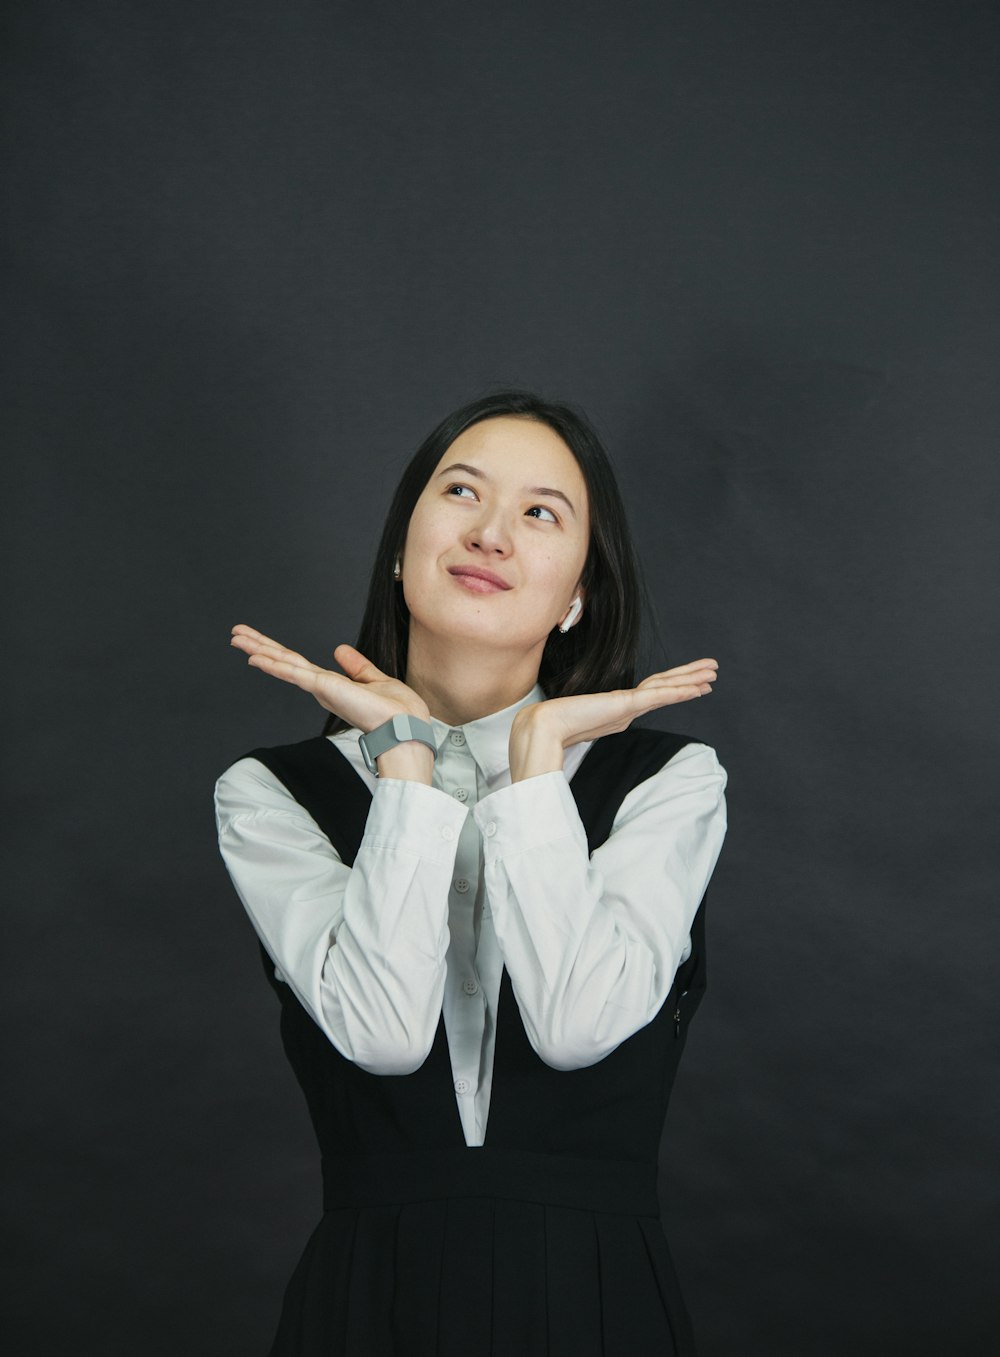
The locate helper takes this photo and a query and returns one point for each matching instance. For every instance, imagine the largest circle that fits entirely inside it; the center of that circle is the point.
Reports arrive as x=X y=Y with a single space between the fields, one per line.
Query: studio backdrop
x=255 y=251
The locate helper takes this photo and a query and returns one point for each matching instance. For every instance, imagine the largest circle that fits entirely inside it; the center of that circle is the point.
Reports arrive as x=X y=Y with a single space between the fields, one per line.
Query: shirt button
x=470 y=986
x=447 y=832
x=460 y=794
x=462 y=1085
x=490 y=828
x=461 y=885
x=457 y=737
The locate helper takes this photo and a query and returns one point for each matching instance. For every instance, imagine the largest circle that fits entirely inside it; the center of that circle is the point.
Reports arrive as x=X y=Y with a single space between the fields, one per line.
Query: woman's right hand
x=362 y=695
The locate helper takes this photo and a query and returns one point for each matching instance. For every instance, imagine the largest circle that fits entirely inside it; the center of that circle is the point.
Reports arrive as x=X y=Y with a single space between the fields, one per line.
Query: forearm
x=380 y=984
x=362 y=947
x=592 y=942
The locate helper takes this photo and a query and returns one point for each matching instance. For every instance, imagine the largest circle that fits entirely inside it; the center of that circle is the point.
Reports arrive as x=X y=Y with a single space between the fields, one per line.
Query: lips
x=486 y=578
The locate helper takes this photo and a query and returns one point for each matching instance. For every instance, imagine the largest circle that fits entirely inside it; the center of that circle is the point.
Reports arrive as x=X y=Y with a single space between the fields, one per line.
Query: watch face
x=369 y=761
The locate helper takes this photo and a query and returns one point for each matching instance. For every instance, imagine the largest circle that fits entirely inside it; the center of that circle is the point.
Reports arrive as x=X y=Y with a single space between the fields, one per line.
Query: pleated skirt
x=485 y=1254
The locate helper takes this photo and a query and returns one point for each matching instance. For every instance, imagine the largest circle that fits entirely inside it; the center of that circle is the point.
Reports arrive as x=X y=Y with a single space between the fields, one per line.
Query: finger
x=251 y=646
x=358 y=666
x=693 y=676
x=279 y=653
x=665 y=696
x=241 y=629
x=243 y=635
x=303 y=676
x=658 y=688
x=247 y=637
x=690 y=667
x=657 y=684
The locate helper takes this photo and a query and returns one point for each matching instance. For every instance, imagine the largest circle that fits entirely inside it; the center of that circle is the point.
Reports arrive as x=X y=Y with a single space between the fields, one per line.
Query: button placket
x=457 y=774
x=462 y=893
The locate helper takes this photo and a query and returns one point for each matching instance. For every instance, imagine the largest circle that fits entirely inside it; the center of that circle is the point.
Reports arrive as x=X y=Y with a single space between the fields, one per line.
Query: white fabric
x=440 y=900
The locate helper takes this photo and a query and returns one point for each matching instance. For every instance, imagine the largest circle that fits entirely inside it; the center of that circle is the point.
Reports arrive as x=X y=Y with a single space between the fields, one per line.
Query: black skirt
x=489 y=1253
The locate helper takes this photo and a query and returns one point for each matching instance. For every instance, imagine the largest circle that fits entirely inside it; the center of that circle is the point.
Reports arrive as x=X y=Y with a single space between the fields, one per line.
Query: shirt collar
x=488 y=738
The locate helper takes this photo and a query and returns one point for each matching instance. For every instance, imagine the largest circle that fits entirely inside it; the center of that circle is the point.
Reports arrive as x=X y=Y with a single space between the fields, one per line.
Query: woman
x=478 y=898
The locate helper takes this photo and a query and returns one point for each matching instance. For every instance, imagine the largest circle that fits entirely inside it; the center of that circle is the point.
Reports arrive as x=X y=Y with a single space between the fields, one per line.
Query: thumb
x=357 y=666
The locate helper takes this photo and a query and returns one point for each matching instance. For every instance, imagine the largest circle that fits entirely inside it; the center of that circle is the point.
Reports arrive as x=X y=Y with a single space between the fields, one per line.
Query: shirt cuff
x=412 y=818
x=528 y=814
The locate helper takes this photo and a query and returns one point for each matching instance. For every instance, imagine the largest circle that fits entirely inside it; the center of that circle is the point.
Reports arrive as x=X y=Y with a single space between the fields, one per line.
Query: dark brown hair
x=600 y=652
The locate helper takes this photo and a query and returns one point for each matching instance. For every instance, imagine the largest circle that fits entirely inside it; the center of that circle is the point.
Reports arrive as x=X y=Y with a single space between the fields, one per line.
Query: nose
x=490 y=533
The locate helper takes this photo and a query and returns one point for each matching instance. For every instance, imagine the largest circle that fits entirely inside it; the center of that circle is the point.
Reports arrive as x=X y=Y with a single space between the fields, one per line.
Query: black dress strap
x=614 y=766
x=611 y=768
x=323 y=781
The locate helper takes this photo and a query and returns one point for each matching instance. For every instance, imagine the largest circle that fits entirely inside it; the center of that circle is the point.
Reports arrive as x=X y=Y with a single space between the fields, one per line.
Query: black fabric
x=547 y=1239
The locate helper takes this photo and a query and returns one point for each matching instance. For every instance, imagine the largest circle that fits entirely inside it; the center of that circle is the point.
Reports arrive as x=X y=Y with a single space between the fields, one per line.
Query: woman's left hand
x=543 y=730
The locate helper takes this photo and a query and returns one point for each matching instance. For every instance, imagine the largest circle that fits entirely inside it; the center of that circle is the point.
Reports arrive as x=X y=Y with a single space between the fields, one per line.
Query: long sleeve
x=592 y=943
x=362 y=947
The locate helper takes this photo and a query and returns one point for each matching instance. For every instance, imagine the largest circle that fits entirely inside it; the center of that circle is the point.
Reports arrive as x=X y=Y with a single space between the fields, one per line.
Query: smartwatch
x=395 y=731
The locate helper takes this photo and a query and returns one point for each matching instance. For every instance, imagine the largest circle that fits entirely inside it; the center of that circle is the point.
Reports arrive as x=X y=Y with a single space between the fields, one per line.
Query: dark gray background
x=255 y=251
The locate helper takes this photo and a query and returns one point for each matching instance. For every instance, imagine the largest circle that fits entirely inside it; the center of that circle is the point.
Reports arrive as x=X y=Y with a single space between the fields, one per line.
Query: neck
x=461 y=683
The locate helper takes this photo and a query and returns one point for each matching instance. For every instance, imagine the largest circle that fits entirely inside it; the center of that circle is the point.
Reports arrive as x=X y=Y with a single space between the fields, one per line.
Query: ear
x=580 y=593
x=572 y=614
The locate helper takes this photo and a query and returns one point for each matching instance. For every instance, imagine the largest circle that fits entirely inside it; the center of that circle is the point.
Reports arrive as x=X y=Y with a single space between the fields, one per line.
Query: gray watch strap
x=395 y=731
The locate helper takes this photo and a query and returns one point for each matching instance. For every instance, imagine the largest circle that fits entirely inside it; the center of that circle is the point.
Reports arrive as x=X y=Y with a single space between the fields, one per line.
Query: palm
x=363 y=695
x=588 y=716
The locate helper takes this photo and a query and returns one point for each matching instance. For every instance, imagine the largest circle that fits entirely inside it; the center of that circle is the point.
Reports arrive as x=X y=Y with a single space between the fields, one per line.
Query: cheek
x=551 y=585
x=559 y=572
x=423 y=536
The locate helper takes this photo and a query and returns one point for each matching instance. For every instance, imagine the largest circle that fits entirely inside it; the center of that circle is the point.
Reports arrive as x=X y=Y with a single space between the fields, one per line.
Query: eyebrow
x=529 y=489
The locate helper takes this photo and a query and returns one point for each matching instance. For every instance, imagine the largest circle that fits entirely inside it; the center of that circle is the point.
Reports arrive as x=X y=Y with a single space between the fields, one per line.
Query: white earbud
x=575 y=609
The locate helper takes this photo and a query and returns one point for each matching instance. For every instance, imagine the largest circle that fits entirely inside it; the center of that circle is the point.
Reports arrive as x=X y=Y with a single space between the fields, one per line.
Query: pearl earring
x=575 y=608
x=396 y=572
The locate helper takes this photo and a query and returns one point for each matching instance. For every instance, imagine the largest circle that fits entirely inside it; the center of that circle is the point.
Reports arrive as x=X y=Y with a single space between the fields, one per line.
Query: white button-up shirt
x=454 y=881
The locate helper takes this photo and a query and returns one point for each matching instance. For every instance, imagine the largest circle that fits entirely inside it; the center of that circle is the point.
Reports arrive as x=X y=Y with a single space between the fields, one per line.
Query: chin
x=468 y=624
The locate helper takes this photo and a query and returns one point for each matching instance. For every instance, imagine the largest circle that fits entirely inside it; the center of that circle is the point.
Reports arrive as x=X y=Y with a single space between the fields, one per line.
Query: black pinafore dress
x=544 y=1242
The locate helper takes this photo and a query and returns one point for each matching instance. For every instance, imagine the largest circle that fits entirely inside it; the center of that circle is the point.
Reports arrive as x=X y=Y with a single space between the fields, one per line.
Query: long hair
x=600 y=652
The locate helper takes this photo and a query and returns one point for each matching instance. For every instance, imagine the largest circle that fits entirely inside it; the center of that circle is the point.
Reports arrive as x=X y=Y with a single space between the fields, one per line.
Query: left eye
x=535 y=508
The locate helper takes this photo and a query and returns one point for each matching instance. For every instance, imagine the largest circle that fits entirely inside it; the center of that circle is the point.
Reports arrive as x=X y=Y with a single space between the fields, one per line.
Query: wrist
x=400 y=730
x=535 y=747
x=408 y=762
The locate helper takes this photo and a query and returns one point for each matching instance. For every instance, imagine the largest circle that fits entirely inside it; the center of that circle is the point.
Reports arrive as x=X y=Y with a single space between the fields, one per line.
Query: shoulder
x=682 y=776
x=676 y=770
x=248 y=787
x=673 y=747
x=677 y=759
x=642 y=776
x=260 y=780
x=675 y=799
x=642 y=752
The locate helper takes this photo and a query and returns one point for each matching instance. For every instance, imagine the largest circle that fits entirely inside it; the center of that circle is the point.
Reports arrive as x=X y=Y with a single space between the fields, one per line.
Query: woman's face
x=507 y=499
